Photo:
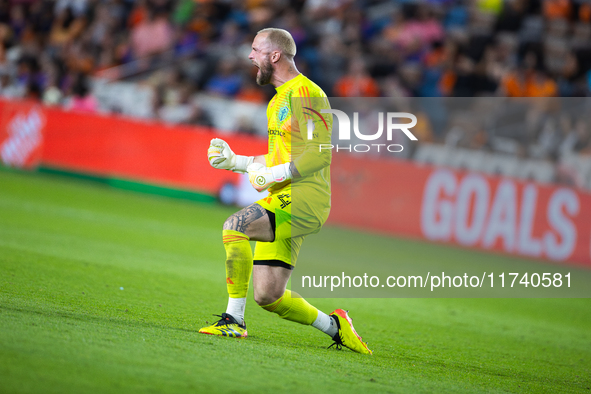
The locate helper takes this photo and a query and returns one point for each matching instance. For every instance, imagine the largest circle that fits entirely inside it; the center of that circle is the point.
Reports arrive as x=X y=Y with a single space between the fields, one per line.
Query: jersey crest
x=282 y=113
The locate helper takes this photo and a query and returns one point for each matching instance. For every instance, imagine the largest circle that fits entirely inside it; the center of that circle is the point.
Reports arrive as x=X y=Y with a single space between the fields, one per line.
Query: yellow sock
x=291 y=306
x=238 y=263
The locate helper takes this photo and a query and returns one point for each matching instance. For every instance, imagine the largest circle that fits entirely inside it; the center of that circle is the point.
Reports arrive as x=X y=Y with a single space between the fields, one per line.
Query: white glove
x=262 y=177
x=220 y=156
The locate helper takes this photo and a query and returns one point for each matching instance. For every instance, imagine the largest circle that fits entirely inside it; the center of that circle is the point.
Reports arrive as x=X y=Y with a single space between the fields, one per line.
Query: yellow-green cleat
x=227 y=326
x=347 y=336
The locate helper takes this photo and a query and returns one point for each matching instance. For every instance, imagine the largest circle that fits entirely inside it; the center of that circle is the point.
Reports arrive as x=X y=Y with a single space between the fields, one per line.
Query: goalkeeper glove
x=262 y=177
x=220 y=156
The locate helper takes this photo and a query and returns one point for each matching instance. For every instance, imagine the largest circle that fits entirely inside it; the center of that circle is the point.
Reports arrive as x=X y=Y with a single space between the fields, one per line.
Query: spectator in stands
x=8 y=88
x=138 y=14
x=569 y=76
x=414 y=29
x=29 y=77
x=17 y=20
x=65 y=28
x=244 y=125
x=331 y=59
x=181 y=109
x=528 y=81
x=108 y=58
x=548 y=141
x=251 y=92
x=557 y=9
x=52 y=95
x=172 y=85
x=79 y=57
x=511 y=17
x=153 y=35
x=226 y=82
x=357 y=82
x=200 y=117
x=411 y=78
x=82 y=99
x=582 y=130
x=77 y=7
x=473 y=79
x=102 y=26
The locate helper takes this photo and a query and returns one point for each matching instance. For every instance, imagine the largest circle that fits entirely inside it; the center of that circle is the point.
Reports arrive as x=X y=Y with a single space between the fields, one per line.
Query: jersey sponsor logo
x=276 y=132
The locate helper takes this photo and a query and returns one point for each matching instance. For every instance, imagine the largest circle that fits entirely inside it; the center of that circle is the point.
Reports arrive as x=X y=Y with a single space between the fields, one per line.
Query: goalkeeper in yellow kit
x=296 y=129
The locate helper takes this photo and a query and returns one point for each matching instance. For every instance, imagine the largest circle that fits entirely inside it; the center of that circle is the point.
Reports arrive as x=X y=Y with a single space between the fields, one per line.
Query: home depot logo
x=24 y=137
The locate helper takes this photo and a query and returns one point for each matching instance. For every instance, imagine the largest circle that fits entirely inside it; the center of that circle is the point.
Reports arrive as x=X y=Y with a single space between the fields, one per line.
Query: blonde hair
x=280 y=39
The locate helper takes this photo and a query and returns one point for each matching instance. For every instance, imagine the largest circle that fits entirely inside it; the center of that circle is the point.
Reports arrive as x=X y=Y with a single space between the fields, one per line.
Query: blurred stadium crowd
x=186 y=61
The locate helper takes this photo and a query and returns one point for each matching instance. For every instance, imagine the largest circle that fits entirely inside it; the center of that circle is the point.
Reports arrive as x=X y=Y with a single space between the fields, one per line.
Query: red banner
x=467 y=209
x=173 y=156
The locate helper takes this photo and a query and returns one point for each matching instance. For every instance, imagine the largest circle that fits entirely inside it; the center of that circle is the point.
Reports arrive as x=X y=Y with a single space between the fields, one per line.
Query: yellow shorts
x=289 y=233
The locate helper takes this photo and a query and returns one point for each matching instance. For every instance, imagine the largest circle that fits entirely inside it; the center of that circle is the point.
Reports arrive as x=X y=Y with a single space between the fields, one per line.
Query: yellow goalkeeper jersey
x=296 y=102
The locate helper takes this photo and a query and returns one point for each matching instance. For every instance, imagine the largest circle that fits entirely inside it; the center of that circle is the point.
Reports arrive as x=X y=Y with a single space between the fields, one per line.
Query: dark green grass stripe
x=160 y=190
x=125 y=184
x=74 y=174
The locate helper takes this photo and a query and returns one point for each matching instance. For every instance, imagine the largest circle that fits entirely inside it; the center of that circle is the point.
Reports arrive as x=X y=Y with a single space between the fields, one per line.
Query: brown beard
x=266 y=73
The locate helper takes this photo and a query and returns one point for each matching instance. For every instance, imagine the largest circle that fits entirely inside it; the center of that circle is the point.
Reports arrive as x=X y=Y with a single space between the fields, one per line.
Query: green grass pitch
x=103 y=290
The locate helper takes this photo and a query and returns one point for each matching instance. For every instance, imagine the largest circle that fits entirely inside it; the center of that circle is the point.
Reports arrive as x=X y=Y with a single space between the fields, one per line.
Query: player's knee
x=263 y=298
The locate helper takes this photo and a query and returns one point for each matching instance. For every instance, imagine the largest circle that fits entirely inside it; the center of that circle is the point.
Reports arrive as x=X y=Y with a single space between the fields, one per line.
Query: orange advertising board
x=396 y=197
x=173 y=156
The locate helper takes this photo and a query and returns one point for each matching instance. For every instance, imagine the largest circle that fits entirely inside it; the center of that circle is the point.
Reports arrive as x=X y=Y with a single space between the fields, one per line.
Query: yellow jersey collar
x=289 y=84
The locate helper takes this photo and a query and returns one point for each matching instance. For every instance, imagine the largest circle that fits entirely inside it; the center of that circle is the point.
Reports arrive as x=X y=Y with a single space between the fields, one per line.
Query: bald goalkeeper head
x=272 y=52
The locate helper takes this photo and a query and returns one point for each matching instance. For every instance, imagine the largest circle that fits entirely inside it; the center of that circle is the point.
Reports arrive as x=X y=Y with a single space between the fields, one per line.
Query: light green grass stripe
x=104 y=291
